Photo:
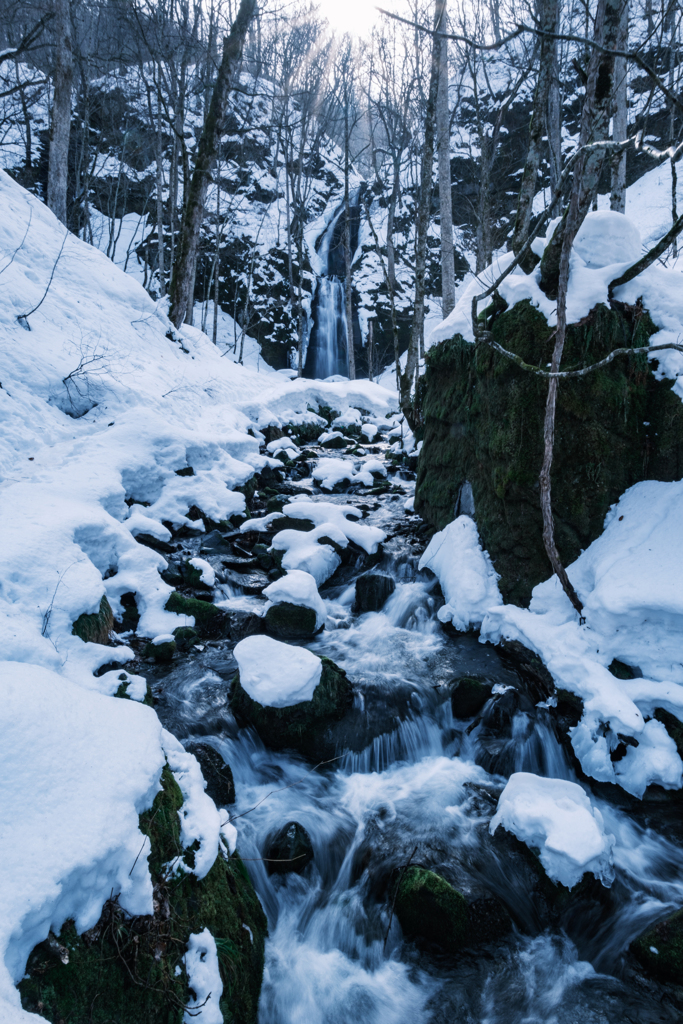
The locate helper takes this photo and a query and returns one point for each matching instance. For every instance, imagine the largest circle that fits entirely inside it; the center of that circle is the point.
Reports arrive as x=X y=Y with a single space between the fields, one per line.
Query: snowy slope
x=101 y=403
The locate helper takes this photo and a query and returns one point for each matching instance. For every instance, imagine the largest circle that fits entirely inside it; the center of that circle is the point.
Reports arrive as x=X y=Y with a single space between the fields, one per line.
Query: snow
x=307 y=550
x=631 y=589
x=297 y=588
x=274 y=674
x=467 y=577
x=321 y=513
x=369 y=431
x=207 y=573
x=76 y=770
x=557 y=819
x=607 y=237
x=204 y=980
x=330 y=472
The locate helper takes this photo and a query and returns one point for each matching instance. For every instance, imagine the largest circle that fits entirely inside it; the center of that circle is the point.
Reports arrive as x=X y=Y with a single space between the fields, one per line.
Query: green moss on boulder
x=96 y=627
x=429 y=908
x=660 y=949
x=482 y=420
x=290 y=621
x=468 y=696
x=208 y=620
x=127 y=970
x=303 y=726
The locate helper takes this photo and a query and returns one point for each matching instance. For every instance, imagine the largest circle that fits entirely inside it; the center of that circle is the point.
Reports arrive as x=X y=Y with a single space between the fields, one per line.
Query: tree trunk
x=348 y=255
x=207 y=150
x=391 y=215
x=370 y=350
x=548 y=16
x=416 y=343
x=595 y=118
x=443 y=127
x=484 y=245
x=60 y=127
x=617 y=199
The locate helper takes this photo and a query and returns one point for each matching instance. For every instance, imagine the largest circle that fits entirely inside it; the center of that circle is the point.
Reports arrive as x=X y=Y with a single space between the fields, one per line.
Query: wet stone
x=290 y=621
x=290 y=849
x=429 y=908
x=372 y=591
x=217 y=774
x=469 y=695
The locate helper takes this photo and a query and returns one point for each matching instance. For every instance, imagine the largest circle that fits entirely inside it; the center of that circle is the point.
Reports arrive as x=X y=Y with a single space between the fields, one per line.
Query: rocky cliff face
x=483 y=422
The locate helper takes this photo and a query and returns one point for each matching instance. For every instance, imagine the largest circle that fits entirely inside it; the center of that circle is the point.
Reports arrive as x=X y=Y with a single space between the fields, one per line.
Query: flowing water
x=409 y=785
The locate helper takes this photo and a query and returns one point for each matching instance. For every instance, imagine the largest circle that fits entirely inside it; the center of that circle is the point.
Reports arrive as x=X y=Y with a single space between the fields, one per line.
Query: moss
x=666 y=938
x=123 y=970
x=428 y=907
x=95 y=628
x=483 y=420
x=208 y=619
x=290 y=621
x=301 y=726
x=162 y=653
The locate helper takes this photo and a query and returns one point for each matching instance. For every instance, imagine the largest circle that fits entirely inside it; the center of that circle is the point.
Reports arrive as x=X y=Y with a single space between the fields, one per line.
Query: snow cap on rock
x=274 y=674
x=607 y=237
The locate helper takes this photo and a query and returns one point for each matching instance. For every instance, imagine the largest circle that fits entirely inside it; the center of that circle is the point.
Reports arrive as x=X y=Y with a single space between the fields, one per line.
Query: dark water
x=412 y=783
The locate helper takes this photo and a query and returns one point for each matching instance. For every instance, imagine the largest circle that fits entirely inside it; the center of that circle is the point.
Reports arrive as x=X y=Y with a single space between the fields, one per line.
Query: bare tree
x=60 y=124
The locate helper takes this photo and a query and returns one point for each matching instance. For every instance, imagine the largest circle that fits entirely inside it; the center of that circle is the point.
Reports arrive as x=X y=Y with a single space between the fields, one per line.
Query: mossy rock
x=209 y=621
x=469 y=695
x=373 y=589
x=96 y=627
x=185 y=637
x=123 y=971
x=220 y=784
x=429 y=908
x=483 y=423
x=131 y=615
x=162 y=653
x=303 y=726
x=290 y=621
x=660 y=949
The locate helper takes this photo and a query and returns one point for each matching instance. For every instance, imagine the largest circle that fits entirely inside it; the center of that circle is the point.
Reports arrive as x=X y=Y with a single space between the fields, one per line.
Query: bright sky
x=356 y=16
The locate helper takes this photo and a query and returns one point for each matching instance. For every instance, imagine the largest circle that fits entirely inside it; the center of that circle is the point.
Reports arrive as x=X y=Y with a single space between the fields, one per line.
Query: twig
x=11 y=261
x=24 y=316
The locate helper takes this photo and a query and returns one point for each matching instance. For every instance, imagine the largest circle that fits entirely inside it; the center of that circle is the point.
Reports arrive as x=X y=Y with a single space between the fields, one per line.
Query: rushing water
x=410 y=782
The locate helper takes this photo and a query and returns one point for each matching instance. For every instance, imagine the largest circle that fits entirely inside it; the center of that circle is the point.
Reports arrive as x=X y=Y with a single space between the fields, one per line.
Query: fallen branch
x=576 y=373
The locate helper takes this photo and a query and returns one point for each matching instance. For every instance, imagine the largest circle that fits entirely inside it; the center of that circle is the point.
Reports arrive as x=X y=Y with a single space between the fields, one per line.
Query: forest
x=341 y=479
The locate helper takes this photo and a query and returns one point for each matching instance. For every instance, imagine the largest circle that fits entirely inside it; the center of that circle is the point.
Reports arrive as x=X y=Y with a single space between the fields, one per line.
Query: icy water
x=409 y=786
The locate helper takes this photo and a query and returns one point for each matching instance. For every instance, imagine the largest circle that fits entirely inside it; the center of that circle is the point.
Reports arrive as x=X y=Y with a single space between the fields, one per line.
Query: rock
x=251 y=582
x=215 y=544
x=372 y=590
x=131 y=615
x=185 y=637
x=209 y=621
x=469 y=695
x=303 y=726
x=162 y=652
x=429 y=908
x=96 y=627
x=334 y=440
x=220 y=784
x=290 y=849
x=153 y=542
x=660 y=949
x=290 y=621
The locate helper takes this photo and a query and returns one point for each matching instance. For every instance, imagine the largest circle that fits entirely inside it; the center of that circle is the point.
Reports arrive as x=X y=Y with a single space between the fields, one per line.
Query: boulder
x=372 y=590
x=209 y=621
x=96 y=627
x=660 y=949
x=469 y=695
x=162 y=651
x=429 y=908
x=185 y=637
x=303 y=726
x=290 y=849
x=290 y=621
x=220 y=784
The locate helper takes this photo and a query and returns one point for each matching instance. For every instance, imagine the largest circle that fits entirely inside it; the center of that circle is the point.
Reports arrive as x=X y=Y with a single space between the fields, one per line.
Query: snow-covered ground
x=101 y=403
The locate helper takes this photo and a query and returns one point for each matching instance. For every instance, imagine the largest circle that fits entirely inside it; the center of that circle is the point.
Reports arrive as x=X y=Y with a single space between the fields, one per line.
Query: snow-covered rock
x=204 y=980
x=607 y=237
x=556 y=818
x=298 y=588
x=274 y=674
x=467 y=577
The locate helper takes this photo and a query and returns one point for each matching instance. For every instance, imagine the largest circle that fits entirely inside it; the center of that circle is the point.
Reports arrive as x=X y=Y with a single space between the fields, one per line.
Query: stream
x=411 y=783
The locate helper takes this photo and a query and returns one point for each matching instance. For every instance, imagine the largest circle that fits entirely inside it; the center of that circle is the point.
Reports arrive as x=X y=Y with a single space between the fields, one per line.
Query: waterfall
x=327 y=352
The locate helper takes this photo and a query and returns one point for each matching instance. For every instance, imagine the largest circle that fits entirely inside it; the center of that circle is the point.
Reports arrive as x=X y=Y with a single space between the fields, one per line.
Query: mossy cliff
x=128 y=970
x=483 y=423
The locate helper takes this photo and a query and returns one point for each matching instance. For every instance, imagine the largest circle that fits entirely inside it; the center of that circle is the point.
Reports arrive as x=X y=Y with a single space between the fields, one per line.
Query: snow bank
x=467 y=577
x=632 y=592
x=274 y=674
x=76 y=770
x=297 y=588
x=204 y=980
x=556 y=818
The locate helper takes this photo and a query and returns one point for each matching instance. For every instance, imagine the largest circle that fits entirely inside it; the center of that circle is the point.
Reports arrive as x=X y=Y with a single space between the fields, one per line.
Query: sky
x=356 y=16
